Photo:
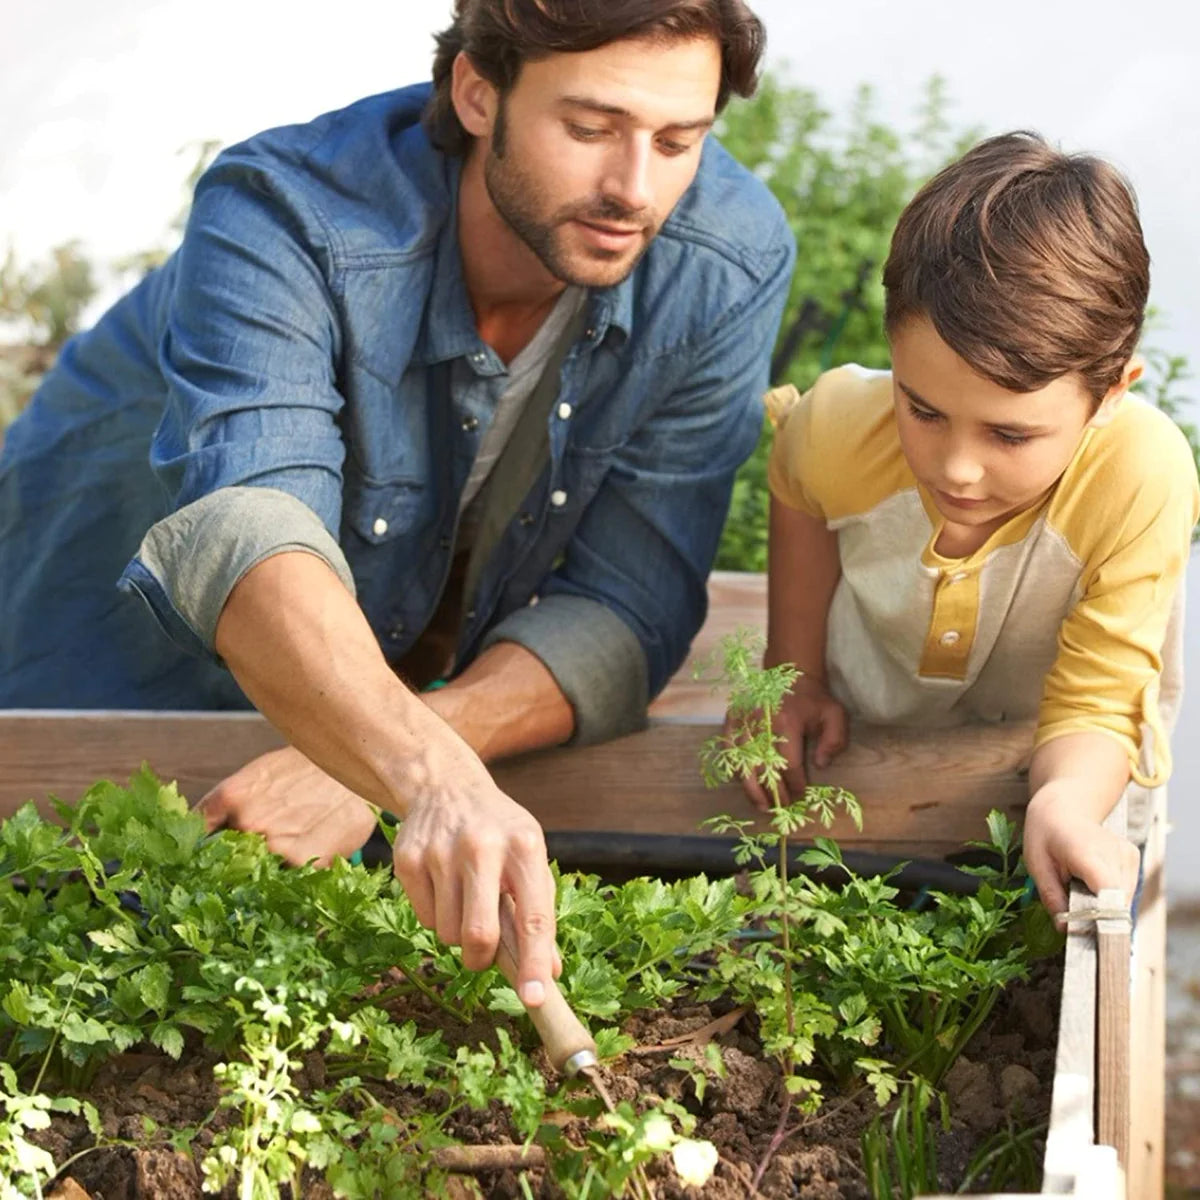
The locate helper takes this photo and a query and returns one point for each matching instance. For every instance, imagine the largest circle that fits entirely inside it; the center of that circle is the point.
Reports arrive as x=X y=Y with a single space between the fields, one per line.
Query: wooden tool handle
x=561 y=1031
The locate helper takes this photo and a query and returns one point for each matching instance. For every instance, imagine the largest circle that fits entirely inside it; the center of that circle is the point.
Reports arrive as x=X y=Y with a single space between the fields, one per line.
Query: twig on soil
x=475 y=1160
x=777 y=1140
x=698 y=1037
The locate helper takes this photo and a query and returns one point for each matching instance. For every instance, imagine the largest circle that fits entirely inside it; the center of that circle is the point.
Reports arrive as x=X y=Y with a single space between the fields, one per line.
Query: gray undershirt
x=523 y=374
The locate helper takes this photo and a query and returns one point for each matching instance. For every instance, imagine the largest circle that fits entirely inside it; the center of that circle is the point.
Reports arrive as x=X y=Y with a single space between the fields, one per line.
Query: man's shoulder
x=366 y=173
x=730 y=214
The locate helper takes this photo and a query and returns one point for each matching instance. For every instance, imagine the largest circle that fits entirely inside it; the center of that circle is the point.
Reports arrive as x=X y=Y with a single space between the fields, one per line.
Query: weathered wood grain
x=923 y=794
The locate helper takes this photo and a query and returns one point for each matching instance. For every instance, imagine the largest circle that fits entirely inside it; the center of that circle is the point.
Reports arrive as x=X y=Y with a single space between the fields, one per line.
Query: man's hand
x=1061 y=842
x=809 y=715
x=456 y=852
x=303 y=813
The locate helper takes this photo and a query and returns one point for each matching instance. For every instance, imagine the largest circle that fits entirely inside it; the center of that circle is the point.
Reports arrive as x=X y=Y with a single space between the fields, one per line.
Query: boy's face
x=982 y=452
x=588 y=153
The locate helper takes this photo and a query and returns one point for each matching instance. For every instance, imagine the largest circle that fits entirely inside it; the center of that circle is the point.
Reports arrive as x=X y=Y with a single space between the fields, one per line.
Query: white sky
x=97 y=100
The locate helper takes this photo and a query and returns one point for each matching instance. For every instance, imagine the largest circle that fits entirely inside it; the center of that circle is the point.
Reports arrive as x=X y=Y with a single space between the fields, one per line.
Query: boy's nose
x=962 y=469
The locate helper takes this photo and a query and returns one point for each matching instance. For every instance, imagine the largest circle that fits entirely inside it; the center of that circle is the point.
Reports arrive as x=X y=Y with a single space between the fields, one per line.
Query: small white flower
x=304 y=1121
x=657 y=1133
x=695 y=1161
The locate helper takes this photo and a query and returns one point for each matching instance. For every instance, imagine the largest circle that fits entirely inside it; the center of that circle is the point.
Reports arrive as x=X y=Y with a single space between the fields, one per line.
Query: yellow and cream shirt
x=1071 y=612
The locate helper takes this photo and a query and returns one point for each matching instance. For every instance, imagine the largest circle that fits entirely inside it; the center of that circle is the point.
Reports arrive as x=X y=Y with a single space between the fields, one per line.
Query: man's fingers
x=480 y=913
x=448 y=909
x=533 y=916
x=213 y=808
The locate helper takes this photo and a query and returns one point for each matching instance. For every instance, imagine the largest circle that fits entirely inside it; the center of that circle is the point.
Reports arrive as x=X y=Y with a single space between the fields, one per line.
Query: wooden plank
x=1112 y=1033
x=924 y=794
x=1147 y=1128
x=736 y=600
x=1072 y=1101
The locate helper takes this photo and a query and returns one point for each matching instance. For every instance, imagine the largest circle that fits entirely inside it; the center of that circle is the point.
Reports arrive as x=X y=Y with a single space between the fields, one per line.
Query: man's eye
x=673 y=148
x=584 y=133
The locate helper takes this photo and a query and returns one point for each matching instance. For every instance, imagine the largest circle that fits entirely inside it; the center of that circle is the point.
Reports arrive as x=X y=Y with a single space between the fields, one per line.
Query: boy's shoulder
x=1132 y=475
x=837 y=452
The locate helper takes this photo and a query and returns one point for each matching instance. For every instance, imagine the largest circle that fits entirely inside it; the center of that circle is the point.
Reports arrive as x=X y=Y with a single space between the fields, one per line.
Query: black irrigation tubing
x=696 y=854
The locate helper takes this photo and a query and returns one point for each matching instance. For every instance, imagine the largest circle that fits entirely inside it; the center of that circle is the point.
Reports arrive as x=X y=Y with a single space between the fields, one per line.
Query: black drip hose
x=695 y=854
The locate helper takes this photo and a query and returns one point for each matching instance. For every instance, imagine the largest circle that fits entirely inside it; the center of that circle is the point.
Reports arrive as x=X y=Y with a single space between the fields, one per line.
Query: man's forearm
x=504 y=703
x=301 y=649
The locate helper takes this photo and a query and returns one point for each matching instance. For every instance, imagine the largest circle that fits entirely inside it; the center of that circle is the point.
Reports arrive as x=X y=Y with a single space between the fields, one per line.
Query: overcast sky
x=97 y=100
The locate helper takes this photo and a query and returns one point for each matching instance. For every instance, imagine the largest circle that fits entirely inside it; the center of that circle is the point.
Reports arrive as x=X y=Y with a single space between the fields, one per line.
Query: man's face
x=983 y=453
x=590 y=152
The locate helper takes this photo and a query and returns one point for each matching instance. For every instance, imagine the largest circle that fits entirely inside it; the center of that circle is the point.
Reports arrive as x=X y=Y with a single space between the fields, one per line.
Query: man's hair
x=1029 y=263
x=500 y=36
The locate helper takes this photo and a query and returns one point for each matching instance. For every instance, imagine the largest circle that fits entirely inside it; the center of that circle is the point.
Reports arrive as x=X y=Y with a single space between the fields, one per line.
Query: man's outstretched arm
x=301 y=649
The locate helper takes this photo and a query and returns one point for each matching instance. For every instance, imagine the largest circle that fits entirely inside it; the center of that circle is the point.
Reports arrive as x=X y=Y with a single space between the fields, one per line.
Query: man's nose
x=628 y=178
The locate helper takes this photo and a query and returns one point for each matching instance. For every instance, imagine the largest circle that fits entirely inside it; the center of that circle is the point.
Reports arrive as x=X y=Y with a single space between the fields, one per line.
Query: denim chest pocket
x=380 y=513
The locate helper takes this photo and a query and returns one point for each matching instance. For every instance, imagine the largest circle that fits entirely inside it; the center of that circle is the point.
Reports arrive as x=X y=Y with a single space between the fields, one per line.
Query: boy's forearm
x=1086 y=771
x=803 y=573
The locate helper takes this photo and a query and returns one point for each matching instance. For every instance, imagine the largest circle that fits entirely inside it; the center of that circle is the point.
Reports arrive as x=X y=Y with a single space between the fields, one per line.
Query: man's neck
x=510 y=290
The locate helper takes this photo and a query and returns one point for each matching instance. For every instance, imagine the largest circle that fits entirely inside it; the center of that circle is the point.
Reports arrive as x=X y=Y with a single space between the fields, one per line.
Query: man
x=461 y=398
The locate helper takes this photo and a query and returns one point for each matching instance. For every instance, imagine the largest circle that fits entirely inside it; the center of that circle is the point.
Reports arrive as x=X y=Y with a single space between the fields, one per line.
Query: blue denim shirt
x=302 y=341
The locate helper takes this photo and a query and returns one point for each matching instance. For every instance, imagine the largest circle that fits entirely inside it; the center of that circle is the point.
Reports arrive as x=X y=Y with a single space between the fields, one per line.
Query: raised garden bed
x=923 y=798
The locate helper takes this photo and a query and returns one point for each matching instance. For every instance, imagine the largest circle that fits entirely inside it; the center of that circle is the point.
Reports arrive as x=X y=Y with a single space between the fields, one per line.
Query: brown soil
x=1006 y=1071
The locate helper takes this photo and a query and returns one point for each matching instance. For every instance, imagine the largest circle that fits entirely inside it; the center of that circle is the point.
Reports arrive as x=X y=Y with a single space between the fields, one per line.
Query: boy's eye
x=1011 y=439
x=922 y=414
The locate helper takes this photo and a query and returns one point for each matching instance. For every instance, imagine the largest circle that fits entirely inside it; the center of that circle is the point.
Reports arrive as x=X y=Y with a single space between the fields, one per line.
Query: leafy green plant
x=749 y=746
x=1008 y=1161
x=900 y=1156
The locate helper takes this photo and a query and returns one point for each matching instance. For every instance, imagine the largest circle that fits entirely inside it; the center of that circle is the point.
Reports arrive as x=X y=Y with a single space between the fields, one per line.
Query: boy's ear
x=1107 y=409
x=474 y=98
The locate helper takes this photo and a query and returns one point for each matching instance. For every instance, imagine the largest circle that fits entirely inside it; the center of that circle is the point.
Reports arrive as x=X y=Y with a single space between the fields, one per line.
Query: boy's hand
x=810 y=715
x=1061 y=842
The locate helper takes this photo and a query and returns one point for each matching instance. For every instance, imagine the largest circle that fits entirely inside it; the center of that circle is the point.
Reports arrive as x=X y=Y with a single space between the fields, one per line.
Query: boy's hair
x=502 y=35
x=1029 y=262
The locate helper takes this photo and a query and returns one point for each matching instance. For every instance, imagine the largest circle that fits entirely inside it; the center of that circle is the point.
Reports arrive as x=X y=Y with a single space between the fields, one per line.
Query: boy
x=995 y=529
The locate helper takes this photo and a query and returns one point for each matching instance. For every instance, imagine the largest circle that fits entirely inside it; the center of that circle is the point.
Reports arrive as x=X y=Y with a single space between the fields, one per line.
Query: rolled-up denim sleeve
x=189 y=562
x=249 y=360
x=594 y=656
x=615 y=621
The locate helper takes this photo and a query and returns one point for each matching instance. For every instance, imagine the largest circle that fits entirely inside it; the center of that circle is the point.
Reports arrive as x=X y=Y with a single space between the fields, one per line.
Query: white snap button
x=533 y=600
x=380 y=527
x=564 y=410
x=958 y=576
x=950 y=637
x=558 y=499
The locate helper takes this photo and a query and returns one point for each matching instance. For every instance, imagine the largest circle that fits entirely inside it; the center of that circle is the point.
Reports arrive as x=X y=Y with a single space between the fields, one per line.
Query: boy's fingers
x=832 y=740
x=1047 y=880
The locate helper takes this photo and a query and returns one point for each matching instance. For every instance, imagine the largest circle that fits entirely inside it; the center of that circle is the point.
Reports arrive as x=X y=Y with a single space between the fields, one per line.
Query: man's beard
x=515 y=197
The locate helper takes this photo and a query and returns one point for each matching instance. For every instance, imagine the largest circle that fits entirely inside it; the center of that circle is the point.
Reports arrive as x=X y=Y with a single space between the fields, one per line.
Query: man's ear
x=1134 y=369
x=474 y=98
